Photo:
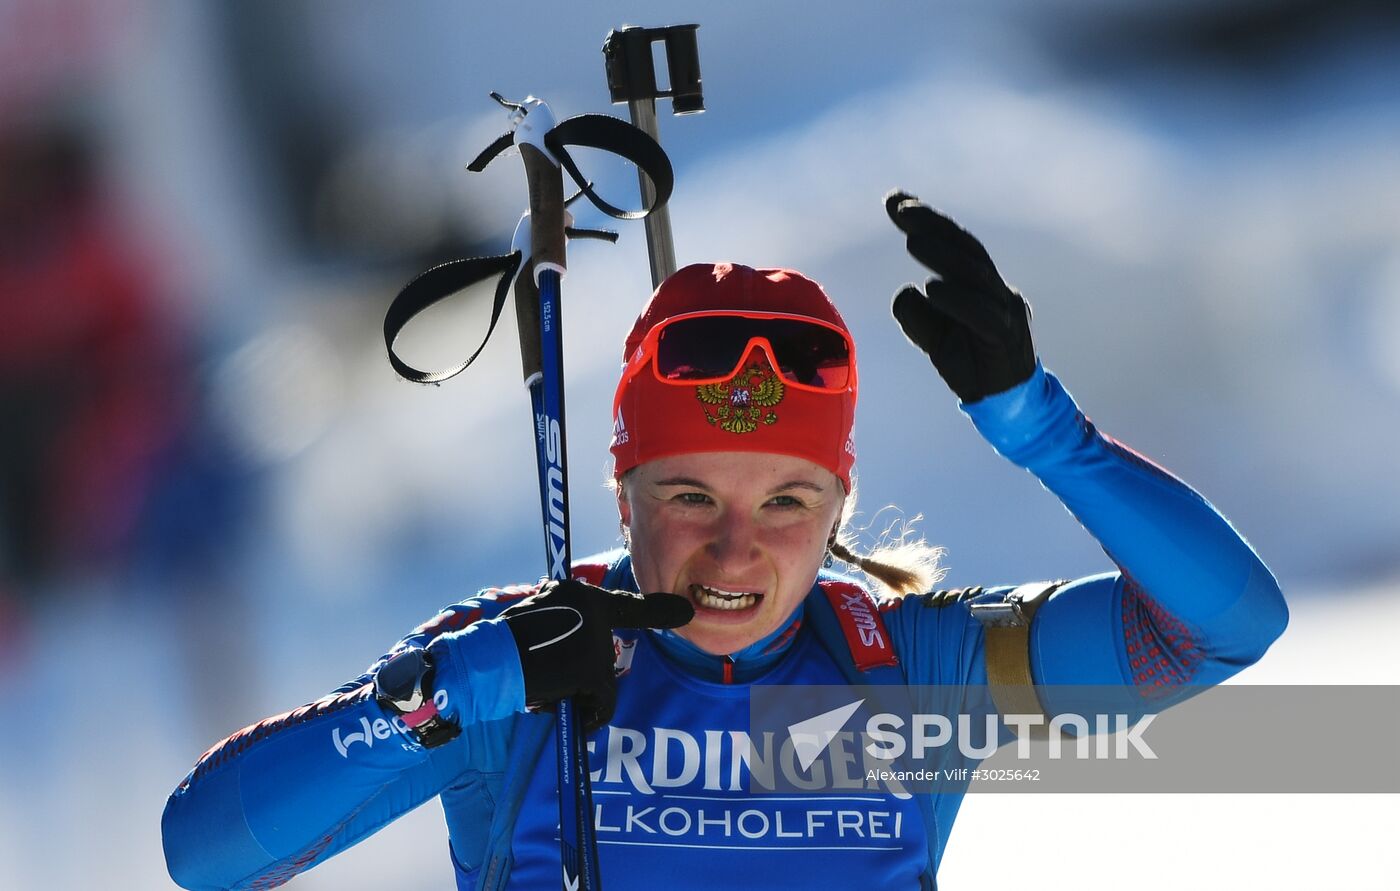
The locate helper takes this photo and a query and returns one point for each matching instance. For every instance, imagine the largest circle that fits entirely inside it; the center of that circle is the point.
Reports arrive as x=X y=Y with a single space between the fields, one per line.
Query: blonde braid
x=902 y=570
x=899 y=569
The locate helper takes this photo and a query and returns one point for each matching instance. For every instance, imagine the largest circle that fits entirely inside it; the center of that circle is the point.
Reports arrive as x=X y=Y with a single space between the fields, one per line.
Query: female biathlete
x=732 y=443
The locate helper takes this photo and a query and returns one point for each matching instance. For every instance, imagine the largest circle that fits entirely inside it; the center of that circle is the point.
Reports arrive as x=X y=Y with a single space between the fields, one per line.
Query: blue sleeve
x=1190 y=603
x=284 y=794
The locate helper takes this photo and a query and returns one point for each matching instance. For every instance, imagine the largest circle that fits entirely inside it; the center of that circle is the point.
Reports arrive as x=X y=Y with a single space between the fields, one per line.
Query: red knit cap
x=652 y=419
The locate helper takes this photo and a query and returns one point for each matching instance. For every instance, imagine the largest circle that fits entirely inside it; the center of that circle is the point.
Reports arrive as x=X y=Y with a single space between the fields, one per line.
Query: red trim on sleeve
x=592 y=573
x=239 y=742
x=1162 y=652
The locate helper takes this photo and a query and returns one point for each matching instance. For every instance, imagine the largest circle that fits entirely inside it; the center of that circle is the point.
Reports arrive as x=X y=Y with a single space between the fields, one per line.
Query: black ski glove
x=564 y=634
x=975 y=329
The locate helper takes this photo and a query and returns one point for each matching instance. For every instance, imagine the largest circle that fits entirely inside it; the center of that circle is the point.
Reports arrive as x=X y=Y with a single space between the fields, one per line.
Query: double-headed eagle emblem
x=746 y=400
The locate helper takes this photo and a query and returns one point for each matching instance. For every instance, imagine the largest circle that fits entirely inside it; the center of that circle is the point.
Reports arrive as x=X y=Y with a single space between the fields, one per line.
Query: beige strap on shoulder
x=1007 y=623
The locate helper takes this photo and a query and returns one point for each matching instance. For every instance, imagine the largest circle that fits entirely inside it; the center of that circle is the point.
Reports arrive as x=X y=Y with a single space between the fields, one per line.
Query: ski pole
x=627 y=55
x=539 y=247
x=542 y=358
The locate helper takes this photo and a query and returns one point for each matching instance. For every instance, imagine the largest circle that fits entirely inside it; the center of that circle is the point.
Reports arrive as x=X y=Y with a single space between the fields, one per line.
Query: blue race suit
x=1190 y=603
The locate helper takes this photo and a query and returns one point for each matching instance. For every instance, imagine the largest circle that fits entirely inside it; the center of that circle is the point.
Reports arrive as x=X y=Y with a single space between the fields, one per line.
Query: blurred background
x=217 y=502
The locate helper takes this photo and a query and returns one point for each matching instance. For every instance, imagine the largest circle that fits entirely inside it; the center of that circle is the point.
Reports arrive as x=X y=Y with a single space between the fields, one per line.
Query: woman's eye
x=693 y=498
x=785 y=501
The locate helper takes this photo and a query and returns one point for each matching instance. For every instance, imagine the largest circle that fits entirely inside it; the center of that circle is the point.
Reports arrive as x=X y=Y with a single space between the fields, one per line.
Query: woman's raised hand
x=974 y=328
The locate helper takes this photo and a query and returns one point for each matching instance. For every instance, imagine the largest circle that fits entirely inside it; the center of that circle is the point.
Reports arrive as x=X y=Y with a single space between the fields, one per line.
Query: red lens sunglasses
x=710 y=347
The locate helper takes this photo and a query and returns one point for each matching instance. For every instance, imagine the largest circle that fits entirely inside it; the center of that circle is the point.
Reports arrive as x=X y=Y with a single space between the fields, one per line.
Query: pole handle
x=546 y=185
x=527 y=320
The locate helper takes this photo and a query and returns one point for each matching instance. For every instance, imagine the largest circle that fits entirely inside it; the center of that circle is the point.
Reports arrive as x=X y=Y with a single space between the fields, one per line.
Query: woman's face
x=740 y=534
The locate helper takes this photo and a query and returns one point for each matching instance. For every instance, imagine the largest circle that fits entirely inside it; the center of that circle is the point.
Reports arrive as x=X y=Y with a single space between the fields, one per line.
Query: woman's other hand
x=974 y=328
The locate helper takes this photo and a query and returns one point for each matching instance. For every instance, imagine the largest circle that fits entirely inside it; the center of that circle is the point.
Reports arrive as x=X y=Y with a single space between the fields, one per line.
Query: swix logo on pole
x=554 y=483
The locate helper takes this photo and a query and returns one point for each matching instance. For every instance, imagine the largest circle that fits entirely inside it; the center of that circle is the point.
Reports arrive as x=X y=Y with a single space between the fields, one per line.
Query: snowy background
x=1199 y=199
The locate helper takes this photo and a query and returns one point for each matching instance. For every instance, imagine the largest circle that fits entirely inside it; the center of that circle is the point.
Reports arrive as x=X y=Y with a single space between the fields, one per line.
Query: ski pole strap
x=588 y=131
x=442 y=282
x=604 y=132
x=436 y=284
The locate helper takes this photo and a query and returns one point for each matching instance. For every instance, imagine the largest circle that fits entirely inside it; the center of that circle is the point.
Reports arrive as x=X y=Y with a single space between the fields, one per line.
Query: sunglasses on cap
x=709 y=347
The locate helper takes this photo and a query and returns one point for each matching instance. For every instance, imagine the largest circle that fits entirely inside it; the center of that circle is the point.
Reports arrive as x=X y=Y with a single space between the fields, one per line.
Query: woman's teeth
x=715 y=598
